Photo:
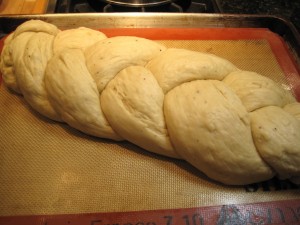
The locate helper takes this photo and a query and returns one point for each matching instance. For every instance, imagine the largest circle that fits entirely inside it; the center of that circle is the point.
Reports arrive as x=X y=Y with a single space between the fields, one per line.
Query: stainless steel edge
x=138 y=20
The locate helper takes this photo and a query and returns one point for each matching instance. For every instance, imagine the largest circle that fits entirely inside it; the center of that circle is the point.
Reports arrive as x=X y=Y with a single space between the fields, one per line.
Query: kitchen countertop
x=23 y=6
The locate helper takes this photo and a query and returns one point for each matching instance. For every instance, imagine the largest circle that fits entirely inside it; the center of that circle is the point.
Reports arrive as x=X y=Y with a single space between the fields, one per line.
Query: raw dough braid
x=237 y=127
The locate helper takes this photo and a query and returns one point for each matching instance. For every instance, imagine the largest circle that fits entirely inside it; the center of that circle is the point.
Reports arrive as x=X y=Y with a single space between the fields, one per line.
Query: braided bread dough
x=237 y=127
x=214 y=129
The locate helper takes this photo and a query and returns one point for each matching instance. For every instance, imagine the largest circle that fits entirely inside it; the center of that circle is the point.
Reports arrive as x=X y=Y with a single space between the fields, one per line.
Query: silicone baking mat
x=48 y=168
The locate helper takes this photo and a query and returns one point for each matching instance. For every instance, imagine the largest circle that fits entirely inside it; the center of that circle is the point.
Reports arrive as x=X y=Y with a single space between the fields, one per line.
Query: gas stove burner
x=83 y=6
x=137 y=3
x=164 y=8
x=140 y=5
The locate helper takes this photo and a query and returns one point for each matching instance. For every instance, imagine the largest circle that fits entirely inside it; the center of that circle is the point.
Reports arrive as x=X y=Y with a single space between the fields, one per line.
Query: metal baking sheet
x=69 y=189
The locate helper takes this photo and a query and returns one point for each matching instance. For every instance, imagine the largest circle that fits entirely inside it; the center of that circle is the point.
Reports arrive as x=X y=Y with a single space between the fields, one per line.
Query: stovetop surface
x=82 y=6
x=287 y=9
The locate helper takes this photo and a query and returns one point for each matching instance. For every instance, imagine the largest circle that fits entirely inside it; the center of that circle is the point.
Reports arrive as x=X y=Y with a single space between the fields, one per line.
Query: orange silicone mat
x=48 y=168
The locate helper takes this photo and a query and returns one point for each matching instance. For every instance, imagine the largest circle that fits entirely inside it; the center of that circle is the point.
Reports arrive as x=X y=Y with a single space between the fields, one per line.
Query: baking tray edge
x=278 y=25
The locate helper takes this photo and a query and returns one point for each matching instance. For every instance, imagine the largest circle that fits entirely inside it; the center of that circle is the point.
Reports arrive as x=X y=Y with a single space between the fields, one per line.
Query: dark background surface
x=287 y=9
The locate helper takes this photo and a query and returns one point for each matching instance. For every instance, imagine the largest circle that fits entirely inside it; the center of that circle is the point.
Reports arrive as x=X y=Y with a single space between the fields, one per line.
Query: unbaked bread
x=210 y=128
x=277 y=139
x=237 y=127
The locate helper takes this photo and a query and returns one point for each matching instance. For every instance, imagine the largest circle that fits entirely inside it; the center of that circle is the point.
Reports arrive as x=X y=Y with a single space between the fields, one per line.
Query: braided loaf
x=237 y=127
